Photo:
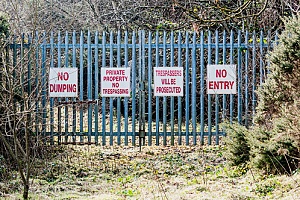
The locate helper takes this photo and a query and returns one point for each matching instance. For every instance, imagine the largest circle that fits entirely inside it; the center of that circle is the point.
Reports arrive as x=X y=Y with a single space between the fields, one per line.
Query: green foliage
x=272 y=151
x=273 y=143
x=237 y=147
x=267 y=187
x=277 y=140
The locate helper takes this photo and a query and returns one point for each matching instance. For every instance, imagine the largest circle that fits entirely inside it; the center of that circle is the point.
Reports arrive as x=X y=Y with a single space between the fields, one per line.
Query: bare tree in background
x=147 y=14
x=20 y=92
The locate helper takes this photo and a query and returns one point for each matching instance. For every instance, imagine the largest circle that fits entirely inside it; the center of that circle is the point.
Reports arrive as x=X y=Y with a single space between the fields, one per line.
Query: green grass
x=95 y=172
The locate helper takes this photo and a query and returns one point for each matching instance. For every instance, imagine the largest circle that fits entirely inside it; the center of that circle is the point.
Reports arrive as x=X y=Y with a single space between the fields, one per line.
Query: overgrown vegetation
x=177 y=172
x=273 y=144
x=19 y=144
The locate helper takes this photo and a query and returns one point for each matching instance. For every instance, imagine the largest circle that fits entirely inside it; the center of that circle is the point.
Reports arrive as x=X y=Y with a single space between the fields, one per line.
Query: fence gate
x=191 y=119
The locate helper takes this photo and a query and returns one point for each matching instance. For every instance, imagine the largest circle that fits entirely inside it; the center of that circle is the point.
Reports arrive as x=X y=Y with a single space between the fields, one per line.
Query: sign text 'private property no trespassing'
x=115 y=82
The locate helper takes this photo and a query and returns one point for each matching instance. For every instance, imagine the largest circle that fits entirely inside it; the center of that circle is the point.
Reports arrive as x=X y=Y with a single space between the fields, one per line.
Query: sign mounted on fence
x=63 y=82
x=221 y=79
x=168 y=81
x=115 y=82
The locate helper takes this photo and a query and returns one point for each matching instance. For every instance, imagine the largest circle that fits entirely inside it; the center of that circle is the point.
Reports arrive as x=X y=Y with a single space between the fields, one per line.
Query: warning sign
x=168 y=81
x=221 y=79
x=63 y=82
x=115 y=82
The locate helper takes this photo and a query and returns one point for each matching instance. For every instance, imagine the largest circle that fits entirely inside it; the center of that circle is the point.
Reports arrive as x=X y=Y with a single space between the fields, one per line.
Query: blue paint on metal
x=239 y=72
x=164 y=98
x=111 y=108
x=89 y=85
x=81 y=83
x=44 y=87
x=149 y=89
x=66 y=99
x=126 y=98
x=209 y=123
x=253 y=73
x=179 y=98
x=59 y=99
x=96 y=69
x=51 y=99
x=224 y=62
x=202 y=67
x=103 y=98
x=131 y=134
x=143 y=89
x=59 y=117
x=246 y=81
x=187 y=93
x=74 y=99
x=193 y=79
x=217 y=96
x=118 y=99
x=165 y=55
x=157 y=98
x=172 y=98
x=231 y=62
x=133 y=86
x=168 y=46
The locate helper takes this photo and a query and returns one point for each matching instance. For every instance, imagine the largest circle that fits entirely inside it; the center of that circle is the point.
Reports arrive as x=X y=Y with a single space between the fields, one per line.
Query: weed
x=267 y=187
x=129 y=193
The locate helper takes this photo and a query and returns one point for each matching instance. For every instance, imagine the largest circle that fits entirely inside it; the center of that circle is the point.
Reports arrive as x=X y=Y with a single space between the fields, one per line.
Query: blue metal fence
x=192 y=119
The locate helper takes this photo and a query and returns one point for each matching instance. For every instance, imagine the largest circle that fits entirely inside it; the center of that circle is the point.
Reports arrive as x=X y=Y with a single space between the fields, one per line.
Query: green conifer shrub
x=273 y=143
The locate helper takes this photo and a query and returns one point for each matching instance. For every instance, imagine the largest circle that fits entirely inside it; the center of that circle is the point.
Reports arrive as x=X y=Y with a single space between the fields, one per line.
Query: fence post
x=149 y=88
x=51 y=99
x=141 y=90
x=44 y=108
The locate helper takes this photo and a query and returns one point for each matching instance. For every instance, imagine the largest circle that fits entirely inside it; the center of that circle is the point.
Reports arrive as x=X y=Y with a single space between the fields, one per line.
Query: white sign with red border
x=221 y=79
x=63 y=82
x=168 y=81
x=115 y=82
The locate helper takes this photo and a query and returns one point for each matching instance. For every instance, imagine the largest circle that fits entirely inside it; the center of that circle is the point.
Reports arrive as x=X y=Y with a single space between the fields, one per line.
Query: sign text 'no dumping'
x=63 y=82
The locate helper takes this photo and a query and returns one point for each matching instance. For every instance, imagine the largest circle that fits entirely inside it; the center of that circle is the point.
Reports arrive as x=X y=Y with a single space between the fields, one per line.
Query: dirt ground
x=175 y=172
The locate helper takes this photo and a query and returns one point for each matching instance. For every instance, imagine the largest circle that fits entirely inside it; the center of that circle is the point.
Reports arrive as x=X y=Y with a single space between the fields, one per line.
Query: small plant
x=237 y=150
x=266 y=188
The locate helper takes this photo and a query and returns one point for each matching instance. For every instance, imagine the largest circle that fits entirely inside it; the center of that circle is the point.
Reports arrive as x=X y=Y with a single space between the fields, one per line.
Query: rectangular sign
x=63 y=82
x=221 y=79
x=168 y=81
x=115 y=82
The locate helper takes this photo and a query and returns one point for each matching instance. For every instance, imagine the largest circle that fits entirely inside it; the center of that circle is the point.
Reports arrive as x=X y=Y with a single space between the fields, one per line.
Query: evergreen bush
x=273 y=143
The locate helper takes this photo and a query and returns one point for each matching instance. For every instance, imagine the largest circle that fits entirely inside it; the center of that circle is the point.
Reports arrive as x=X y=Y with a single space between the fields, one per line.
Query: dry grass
x=178 y=172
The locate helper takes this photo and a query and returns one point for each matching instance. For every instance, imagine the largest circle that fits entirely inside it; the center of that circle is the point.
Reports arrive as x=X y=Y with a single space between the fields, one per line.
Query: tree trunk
x=26 y=190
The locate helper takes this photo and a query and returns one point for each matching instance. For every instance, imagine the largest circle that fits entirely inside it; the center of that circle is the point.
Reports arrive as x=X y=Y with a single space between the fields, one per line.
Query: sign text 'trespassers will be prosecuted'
x=168 y=81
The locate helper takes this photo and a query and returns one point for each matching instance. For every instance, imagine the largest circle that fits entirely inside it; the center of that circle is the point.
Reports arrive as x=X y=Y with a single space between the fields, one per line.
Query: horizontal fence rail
x=191 y=119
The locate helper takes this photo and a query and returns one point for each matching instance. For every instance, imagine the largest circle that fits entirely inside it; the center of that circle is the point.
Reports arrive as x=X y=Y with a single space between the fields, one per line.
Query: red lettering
x=221 y=73
x=226 y=85
x=63 y=76
x=63 y=87
x=211 y=85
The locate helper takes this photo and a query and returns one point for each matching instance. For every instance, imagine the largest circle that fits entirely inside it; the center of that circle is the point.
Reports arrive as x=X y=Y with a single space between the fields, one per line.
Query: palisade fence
x=92 y=119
